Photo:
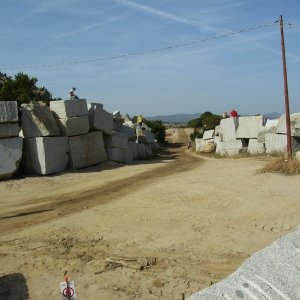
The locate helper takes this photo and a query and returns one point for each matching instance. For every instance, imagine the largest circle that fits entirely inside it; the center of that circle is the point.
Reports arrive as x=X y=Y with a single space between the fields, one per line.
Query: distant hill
x=179 y=118
x=273 y=115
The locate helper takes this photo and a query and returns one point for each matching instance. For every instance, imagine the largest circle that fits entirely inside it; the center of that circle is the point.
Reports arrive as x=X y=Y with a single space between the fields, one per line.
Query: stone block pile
x=10 y=142
x=252 y=134
x=69 y=133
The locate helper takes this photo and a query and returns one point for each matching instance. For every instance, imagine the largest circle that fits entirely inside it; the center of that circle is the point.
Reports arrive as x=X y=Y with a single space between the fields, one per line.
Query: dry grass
x=282 y=165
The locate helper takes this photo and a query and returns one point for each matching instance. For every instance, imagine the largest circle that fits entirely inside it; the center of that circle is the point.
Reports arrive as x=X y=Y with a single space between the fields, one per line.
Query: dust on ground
x=159 y=229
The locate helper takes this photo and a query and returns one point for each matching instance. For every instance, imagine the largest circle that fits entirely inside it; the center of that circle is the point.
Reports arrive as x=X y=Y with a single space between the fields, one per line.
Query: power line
x=104 y=58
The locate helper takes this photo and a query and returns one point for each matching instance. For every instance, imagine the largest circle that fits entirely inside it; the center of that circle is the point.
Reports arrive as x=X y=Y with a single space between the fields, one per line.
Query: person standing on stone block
x=72 y=94
x=233 y=113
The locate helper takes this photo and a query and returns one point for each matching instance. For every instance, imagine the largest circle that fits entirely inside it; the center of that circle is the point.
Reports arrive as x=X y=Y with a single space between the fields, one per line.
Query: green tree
x=158 y=129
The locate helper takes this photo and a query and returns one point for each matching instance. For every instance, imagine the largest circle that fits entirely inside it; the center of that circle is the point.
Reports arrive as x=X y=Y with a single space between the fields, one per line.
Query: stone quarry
x=251 y=134
x=69 y=134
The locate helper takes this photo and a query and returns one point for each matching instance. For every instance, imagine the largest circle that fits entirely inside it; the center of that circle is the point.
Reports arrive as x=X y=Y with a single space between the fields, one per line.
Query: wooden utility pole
x=286 y=94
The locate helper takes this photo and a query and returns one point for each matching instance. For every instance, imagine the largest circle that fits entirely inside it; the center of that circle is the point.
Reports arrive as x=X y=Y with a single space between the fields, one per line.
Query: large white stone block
x=149 y=151
x=271 y=123
x=38 y=120
x=217 y=130
x=9 y=130
x=74 y=126
x=45 y=155
x=10 y=156
x=208 y=134
x=86 y=150
x=128 y=156
x=298 y=156
x=69 y=108
x=278 y=143
x=116 y=140
x=249 y=127
x=129 y=131
x=100 y=119
x=8 y=111
x=228 y=128
x=295 y=124
x=229 y=148
x=116 y=154
x=117 y=124
x=255 y=148
x=134 y=148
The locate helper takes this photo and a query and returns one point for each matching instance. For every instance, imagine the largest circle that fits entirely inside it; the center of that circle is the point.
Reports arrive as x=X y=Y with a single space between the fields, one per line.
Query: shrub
x=281 y=165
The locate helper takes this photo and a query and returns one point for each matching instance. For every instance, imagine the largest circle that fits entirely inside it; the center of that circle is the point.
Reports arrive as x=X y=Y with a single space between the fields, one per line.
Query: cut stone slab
x=228 y=129
x=38 y=120
x=8 y=111
x=155 y=147
x=117 y=124
x=116 y=140
x=74 y=126
x=209 y=134
x=134 y=148
x=69 y=108
x=271 y=123
x=10 y=156
x=295 y=124
x=142 y=152
x=149 y=151
x=128 y=156
x=198 y=144
x=261 y=134
x=229 y=148
x=271 y=273
x=217 y=130
x=255 y=148
x=129 y=131
x=116 y=154
x=86 y=150
x=277 y=143
x=9 y=130
x=100 y=119
x=249 y=127
x=149 y=136
x=45 y=155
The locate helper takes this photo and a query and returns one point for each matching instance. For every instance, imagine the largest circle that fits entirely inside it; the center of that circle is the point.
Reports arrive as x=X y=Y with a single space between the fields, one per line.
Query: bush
x=207 y=121
x=281 y=165
x=158 y=129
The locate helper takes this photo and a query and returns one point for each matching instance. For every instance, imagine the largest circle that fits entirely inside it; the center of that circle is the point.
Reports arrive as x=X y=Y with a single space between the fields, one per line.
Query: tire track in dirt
x=48 y=208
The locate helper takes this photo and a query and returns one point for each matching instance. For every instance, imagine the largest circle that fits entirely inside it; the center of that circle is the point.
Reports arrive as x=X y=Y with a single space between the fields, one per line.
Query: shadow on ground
x=13 y=287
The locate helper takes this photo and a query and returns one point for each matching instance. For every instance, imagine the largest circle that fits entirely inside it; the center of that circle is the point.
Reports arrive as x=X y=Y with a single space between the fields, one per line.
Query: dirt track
x=175 y=224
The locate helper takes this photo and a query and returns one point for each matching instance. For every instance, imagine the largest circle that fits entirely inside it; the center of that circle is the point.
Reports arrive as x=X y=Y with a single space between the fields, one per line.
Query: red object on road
x=234 y=113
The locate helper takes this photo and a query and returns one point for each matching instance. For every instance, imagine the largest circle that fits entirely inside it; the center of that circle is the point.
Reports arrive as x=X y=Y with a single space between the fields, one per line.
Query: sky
x=241 y=71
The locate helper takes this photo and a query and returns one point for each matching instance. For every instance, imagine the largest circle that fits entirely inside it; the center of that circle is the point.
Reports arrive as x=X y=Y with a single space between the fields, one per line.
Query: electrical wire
x=104 y=58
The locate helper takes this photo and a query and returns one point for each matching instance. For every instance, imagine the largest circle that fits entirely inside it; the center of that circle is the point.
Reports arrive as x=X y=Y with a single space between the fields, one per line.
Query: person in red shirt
x=234 y=113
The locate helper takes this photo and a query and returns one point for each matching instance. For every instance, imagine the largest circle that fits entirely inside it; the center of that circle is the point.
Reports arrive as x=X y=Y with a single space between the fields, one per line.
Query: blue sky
x=243 y=71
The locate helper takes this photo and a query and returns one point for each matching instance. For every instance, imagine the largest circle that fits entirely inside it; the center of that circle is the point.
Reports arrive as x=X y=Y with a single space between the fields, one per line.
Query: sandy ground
x=159 y=229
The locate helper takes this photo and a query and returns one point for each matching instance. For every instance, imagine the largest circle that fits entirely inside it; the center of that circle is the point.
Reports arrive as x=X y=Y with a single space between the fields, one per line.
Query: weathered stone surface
x=130 y=132
x=229 y=148
x=69 y=108
x=87 y=149
x=9 y=130
x=271 y=273
x=217 y=130
x=198 y=144
x=255 y=148
x=249 y=127
x=45 y=155
x=204 y=145
x=207 y=148
x=295 y=124
x=74 y=126
x=298 y=156
x=142 y=152
x=149 y=136
x=217 y=139
x=8 y=111
x=278 y=143
x=128 y=156
x=209 y=134
x=261 y=134
x=116 y=154
x=134 y=148
x=149 y=151
x=38 y=120
x=271 y=123
x=116 y=140
x=228 y=129
x=10 y=156
x=100 y=119
x=117 y=124
x=155 y=147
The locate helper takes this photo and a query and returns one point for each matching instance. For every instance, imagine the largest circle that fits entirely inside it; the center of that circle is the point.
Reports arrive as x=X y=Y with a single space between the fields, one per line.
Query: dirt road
x=152 y=230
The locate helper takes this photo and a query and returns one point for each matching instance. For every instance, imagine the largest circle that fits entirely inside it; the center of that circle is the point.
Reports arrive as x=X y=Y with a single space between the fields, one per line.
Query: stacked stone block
x=10 y=142
x=45 y=152
x=100 y=119
x=116 y=146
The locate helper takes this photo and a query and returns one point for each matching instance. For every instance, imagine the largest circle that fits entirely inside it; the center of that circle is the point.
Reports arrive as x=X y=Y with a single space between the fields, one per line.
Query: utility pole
x=286 y=94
